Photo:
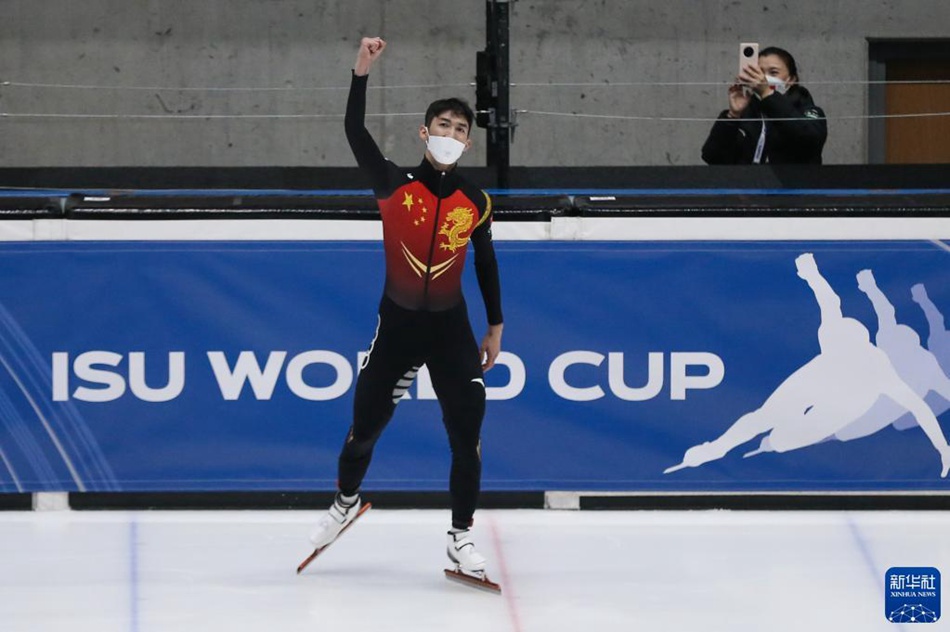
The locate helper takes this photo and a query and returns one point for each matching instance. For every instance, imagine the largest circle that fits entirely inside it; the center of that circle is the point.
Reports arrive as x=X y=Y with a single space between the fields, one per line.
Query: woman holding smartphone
x=771 y=118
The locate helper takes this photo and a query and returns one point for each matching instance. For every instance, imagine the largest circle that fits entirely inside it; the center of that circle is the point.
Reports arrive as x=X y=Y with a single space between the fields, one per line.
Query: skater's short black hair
x=459 y=107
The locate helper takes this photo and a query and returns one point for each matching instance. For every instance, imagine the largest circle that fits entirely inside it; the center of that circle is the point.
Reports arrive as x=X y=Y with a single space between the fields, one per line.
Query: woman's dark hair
x=458 y=107
x=785 y=56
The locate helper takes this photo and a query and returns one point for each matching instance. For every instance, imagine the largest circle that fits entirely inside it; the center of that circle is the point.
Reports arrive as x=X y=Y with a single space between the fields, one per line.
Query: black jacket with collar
x=796 y=137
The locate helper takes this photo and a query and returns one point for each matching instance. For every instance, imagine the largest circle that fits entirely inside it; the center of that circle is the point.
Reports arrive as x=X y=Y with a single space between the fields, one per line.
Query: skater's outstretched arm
x=886 y=316
x=934 y=318
x=384 y=176
x=906 y=397
x=828 y=301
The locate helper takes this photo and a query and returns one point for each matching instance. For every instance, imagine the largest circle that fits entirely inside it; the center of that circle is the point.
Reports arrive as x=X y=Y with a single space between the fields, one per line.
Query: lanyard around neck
x=760 y=147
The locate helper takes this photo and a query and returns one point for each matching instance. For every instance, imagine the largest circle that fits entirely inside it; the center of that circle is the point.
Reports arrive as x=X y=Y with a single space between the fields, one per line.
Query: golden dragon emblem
x=457 y=222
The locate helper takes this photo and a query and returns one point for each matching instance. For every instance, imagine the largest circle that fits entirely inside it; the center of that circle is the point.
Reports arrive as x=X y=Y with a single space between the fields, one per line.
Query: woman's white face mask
x=779 y=85
x=445 y=150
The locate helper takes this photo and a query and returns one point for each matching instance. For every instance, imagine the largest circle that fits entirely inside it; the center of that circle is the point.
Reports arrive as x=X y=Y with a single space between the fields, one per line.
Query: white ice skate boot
x=340 y=515
x=461 y=550
x=469 y=563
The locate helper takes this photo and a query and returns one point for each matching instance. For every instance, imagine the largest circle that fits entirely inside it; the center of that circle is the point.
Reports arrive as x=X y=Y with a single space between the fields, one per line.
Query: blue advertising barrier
x=628 y=365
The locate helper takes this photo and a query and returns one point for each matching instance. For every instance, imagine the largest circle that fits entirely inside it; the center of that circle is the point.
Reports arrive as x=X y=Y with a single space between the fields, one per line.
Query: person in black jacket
x=771 y=118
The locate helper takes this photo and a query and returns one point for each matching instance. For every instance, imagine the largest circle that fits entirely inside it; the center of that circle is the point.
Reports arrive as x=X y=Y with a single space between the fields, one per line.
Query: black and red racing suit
x=429 y=217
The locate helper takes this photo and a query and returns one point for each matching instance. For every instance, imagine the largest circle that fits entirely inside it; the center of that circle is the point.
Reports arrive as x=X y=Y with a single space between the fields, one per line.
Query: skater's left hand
x=491 y=346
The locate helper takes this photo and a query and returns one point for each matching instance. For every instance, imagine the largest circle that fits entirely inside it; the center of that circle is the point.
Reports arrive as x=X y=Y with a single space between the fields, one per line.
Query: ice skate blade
x=363 y=509
x=481 y=583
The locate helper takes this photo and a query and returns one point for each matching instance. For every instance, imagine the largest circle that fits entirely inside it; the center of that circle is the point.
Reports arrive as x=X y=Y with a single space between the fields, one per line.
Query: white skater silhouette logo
x=835 y=389
x=918 y=367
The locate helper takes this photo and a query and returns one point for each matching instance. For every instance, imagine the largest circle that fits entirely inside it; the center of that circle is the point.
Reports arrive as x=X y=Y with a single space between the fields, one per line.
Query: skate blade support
x=304 y=564
x=482 y=583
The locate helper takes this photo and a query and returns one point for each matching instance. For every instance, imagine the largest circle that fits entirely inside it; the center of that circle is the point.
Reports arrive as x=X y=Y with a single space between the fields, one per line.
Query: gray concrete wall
x=155 y=62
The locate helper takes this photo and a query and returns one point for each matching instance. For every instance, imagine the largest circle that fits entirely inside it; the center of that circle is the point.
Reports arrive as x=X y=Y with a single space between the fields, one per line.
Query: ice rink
x=561 y=571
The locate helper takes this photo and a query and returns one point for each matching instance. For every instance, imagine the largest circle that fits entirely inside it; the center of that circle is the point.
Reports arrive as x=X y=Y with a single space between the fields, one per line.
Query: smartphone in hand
x=748 y=55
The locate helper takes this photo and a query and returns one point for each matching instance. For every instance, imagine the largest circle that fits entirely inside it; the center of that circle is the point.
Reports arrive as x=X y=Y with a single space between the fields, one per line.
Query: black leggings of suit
x=405 y=340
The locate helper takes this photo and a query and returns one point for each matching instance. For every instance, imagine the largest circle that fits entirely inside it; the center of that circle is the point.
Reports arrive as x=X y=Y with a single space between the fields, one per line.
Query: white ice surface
x=570 y=571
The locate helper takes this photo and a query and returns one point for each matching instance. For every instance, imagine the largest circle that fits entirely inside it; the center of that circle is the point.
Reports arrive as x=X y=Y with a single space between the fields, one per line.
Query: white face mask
x=778 y=84
x=444 y=149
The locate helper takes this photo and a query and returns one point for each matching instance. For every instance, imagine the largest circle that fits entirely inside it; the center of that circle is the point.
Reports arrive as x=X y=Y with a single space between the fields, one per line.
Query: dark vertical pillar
x=492 y=88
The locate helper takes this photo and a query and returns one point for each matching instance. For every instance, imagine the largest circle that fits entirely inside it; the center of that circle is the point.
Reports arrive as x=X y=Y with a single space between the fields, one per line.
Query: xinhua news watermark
x=912 y=594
